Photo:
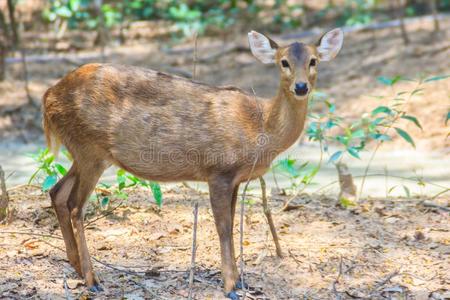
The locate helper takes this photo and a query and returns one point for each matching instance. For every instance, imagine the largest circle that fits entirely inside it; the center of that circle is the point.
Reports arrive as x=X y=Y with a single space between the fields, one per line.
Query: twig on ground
x=294 y=257
x=4 y=200
x=241 y=229
x=32 y=234
x=66 y=287
x=24 y=185
x=336 y=281
x=386 y=280
x=269 y=218
x=244 y=192
x=194 y=250
x=109 y=212
x=154 y=295
x=434 y=205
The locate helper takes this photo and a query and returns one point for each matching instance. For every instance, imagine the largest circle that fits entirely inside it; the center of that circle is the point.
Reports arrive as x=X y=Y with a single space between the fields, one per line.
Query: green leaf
x=105 y=201
x=61 y=169
x=342 y=139
x=156 y=191
x=405 y=136
x=380 y=137
x=104 y=185
x=288 y=165
x=346 y=203
x=436 y=78
x=391 y=189
x=416 y=91
x=407 y=192
x=378 y=121
x=121 y=179
x=50 y=158
x=384 y=80
x=389 y=81
x=448 y=118
x=358 y=134
x=121 y=195
x=336 y=155
x=412 y=119
x=49 y=182
x=382 y=109
x=353 y=152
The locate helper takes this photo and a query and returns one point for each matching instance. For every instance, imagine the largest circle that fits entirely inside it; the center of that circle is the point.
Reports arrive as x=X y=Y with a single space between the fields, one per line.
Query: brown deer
x=167 y=128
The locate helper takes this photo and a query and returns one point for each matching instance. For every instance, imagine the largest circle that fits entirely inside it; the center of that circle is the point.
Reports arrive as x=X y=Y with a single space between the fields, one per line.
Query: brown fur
x=167 y=128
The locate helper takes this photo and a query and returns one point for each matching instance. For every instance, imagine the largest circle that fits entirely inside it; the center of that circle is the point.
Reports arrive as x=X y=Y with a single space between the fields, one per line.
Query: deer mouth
x=300 y=96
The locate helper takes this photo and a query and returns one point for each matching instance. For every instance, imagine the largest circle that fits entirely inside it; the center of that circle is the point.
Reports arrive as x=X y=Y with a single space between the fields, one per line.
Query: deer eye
x=285 y=63
x=313 y=62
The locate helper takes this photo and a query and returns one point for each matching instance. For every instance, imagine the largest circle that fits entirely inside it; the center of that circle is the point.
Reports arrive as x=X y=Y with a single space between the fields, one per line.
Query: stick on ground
x=194 y=250
x=268 y=214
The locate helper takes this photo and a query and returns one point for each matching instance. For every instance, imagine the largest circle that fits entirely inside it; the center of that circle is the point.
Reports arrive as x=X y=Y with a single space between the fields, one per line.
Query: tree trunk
x=2 y=60
x=347 y=194
x=101 y=31
x=401 y=15
x=434 y=11
x=17 y=46
x=4 y=199
x=4 y=38
x=12 y=20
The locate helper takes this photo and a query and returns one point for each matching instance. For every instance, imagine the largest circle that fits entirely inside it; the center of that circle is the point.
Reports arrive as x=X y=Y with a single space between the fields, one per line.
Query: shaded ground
x=396 y=249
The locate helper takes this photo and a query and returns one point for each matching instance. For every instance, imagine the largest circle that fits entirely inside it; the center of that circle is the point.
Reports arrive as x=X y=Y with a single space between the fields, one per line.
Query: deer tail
x=53 y=142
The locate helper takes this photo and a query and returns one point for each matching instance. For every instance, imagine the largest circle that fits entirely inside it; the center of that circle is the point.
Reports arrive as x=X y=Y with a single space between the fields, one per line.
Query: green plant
x=351 y=138
x=49 y=171
x=358 y=12
x=299 y=174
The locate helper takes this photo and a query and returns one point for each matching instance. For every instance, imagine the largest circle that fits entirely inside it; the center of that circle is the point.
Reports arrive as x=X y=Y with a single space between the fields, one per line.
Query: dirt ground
x=385 y=249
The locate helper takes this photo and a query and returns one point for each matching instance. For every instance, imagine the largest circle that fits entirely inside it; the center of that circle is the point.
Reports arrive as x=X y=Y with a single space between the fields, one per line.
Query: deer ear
x=330 y=44
x=262 y=47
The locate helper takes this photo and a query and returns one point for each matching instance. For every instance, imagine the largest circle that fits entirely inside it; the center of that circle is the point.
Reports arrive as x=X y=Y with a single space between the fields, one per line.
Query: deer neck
x=285 y=118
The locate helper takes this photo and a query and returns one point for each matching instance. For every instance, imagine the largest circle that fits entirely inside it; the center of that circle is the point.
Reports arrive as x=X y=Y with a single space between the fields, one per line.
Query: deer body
x=166 y=128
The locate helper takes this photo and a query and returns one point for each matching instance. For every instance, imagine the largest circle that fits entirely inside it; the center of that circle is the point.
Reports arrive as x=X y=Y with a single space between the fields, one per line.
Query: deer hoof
x=233 y=295
x=239 y=286
x=96 y=288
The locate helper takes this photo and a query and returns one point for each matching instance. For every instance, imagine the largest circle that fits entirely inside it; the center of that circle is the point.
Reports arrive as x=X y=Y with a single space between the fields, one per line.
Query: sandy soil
x=391 y=249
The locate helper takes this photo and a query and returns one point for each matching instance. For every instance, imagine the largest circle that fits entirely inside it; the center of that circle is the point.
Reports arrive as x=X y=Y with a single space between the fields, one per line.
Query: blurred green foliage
x=198 y=16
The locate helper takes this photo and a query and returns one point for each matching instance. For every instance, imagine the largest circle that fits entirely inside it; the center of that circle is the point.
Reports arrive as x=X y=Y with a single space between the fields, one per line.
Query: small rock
x=419 y=236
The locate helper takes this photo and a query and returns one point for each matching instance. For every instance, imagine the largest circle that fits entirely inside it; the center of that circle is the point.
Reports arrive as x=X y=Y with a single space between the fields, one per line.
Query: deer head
x=297 y=62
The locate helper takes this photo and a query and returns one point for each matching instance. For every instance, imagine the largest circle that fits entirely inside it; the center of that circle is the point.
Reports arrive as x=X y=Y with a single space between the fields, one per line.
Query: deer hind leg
x=86 y=179
x=221 y=194
x=59 y=195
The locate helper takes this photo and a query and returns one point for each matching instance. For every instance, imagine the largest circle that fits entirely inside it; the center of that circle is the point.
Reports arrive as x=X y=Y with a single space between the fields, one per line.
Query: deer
x=167 y=128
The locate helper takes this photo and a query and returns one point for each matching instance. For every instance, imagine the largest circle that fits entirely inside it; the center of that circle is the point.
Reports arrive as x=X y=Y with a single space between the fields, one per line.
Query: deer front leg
x=221 y=196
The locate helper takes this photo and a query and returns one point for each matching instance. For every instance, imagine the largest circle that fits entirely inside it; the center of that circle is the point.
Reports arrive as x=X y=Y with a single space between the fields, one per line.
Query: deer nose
x=301 y=88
